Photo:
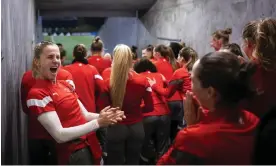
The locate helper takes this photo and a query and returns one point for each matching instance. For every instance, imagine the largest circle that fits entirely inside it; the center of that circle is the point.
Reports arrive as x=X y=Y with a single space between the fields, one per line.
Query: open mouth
x=54 y=70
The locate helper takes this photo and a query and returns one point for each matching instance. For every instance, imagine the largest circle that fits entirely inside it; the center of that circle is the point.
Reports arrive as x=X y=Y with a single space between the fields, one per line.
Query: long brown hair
x=266 y=43
x=122 y=62
x=167 y=52
x=262 y=33
x=172 y=59
x=249 y=31
x=189 y=55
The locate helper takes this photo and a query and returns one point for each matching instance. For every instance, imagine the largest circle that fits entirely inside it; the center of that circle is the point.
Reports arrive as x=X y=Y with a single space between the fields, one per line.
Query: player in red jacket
x=106 y=73
x=96 y=58
x=56 y=106
x=126 y=89
x=41 y=147
x=89 y=84
x=225 y=134
x=259 y=45
x=166 y=65
x=186 y=59
x=157 y=122
x=180 y=81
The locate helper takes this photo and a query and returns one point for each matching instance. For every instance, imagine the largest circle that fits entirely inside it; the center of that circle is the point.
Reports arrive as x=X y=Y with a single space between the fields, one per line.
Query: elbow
x=87 y=117
x=60 y=141
x=59 y=138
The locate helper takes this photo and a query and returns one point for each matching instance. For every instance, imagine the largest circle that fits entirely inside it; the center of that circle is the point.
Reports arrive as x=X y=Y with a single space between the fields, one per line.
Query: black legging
x=157 y=132
x=177 y=115
x=124 y=144
x=82 y=157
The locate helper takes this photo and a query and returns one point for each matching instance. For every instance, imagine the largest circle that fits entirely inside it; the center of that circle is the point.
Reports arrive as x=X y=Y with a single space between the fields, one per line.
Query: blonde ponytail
x=122 y=61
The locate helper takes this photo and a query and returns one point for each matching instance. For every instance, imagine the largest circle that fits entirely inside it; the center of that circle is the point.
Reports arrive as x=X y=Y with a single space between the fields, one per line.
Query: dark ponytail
x=172 y=59
x=167 y=52
x=80 y=53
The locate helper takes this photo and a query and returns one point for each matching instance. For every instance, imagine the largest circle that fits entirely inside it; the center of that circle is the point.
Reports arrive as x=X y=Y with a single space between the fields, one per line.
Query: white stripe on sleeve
x=71 y=82
x=97 y=76
x=39 y=103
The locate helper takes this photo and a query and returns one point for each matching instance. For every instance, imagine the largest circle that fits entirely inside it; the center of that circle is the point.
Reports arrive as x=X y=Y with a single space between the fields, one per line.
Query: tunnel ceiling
x=92 y=8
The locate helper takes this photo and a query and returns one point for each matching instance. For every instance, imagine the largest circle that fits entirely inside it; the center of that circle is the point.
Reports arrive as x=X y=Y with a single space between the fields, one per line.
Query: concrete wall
x=119 y=30
x=18 y=34
x=194 y=20
x=38 y=29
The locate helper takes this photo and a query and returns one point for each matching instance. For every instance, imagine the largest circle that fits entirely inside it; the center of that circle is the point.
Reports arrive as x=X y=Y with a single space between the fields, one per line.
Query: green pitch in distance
x=69 y=43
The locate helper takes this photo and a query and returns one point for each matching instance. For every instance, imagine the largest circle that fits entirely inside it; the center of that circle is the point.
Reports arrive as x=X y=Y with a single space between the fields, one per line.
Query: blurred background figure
x=62 y=53
x=220 y=38
x=107 y=56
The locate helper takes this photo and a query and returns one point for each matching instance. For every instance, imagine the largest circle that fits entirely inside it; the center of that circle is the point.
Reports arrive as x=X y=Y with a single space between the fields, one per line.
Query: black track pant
x=157 y=133
x=124 y=144
x=81 y=157
x=177 y=115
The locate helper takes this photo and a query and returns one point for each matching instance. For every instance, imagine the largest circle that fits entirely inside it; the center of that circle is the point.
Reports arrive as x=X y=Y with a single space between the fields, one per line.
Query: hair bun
x=228 y=31
x=133 y=48
x=97 y=38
